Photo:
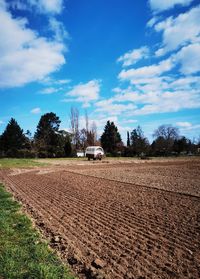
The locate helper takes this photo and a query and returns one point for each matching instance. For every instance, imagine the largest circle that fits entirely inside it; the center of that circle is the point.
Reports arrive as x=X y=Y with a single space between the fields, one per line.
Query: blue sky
x=132 y=62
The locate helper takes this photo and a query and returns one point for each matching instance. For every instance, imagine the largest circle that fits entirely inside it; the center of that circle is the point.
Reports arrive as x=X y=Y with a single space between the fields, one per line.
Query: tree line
x=167 y=141
x=50 y=141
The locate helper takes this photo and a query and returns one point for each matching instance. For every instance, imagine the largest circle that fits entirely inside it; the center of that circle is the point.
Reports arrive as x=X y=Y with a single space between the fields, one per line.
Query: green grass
x=22 y=254
x=19 y=163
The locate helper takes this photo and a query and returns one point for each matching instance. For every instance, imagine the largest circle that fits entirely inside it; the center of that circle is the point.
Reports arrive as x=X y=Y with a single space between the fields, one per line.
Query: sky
x=131 y=62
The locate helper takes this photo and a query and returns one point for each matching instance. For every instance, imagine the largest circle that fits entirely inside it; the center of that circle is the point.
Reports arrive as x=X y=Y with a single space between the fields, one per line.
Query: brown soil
x=116 y=220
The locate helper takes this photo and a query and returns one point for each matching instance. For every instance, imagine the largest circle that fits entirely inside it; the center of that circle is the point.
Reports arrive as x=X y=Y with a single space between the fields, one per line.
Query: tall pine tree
x=128 y=139
x=111 y=139
x=12 y=139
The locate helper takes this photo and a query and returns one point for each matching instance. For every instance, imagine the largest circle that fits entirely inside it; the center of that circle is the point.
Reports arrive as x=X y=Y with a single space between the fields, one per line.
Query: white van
x=94 y=152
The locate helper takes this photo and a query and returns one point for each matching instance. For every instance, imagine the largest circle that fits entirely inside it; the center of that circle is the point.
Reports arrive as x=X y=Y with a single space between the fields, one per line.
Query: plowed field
x=117 y=220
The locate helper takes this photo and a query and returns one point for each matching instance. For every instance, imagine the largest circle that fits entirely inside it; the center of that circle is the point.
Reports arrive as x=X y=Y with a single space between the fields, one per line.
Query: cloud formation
x=84 y=93
x=162 y=5
x=50 y=90
x=147 y=71
x=58 y=29
x=40 y=6
x=184 y=124
x=36 y=111
x=171 y=83
x=189 y=58
x=25 y=56
x=133 y=56
x=111 y=107
x=51 y=6
x=179 y=31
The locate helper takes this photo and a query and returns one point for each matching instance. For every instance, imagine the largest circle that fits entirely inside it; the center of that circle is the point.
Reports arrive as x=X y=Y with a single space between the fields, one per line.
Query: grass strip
x=22 y=253
x=19 y=163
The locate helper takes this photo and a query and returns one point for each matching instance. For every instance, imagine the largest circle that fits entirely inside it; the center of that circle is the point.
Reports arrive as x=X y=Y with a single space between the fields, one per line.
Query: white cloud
x=147 y=71
x=51 y=6
x=112 y=108
x=50 y=90
x=155 y=95
x=153 y=21
x=41 y=6
x=168 y=102
x=84 y=92
x=36 y=111
x=187 y=128
x=171 y=84
x=1 y=122
x=133 y=56
x=162 y=5
x=186 y=83
x=192 y=127
x=163 y=83
x=160 y=52
x=25 y=57
x=117 y=90
x=63 y=81
x=58 y=28
x=184 y=124
x=189 y=58
x=49 y=81
x=176 y=32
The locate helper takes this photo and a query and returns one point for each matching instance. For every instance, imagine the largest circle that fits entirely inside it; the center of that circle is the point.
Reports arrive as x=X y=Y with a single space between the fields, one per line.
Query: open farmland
x=117 y=219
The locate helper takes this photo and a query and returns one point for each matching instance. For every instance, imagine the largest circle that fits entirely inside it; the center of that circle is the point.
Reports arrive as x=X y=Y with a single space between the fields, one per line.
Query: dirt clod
x=72 y=260
x=97 y=263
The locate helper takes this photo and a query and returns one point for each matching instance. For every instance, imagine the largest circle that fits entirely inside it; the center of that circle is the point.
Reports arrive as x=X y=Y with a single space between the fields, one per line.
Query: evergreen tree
x=47 y=137
x=139 y=142
x=128 y=139
x=13 y=139
x=68 y=148
x=111 y=139
x=181 y=145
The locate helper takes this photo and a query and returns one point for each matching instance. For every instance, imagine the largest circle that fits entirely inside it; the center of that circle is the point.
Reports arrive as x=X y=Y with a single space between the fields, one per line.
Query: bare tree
x=74 y=121
x=83 y=139
x=91 y=133
x=86 y=121
x=165 y=136
x=167 y=132
x=94 y=132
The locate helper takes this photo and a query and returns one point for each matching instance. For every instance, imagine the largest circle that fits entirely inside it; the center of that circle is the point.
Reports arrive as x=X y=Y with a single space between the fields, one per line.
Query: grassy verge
x=22 y=253
x=19 y=163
